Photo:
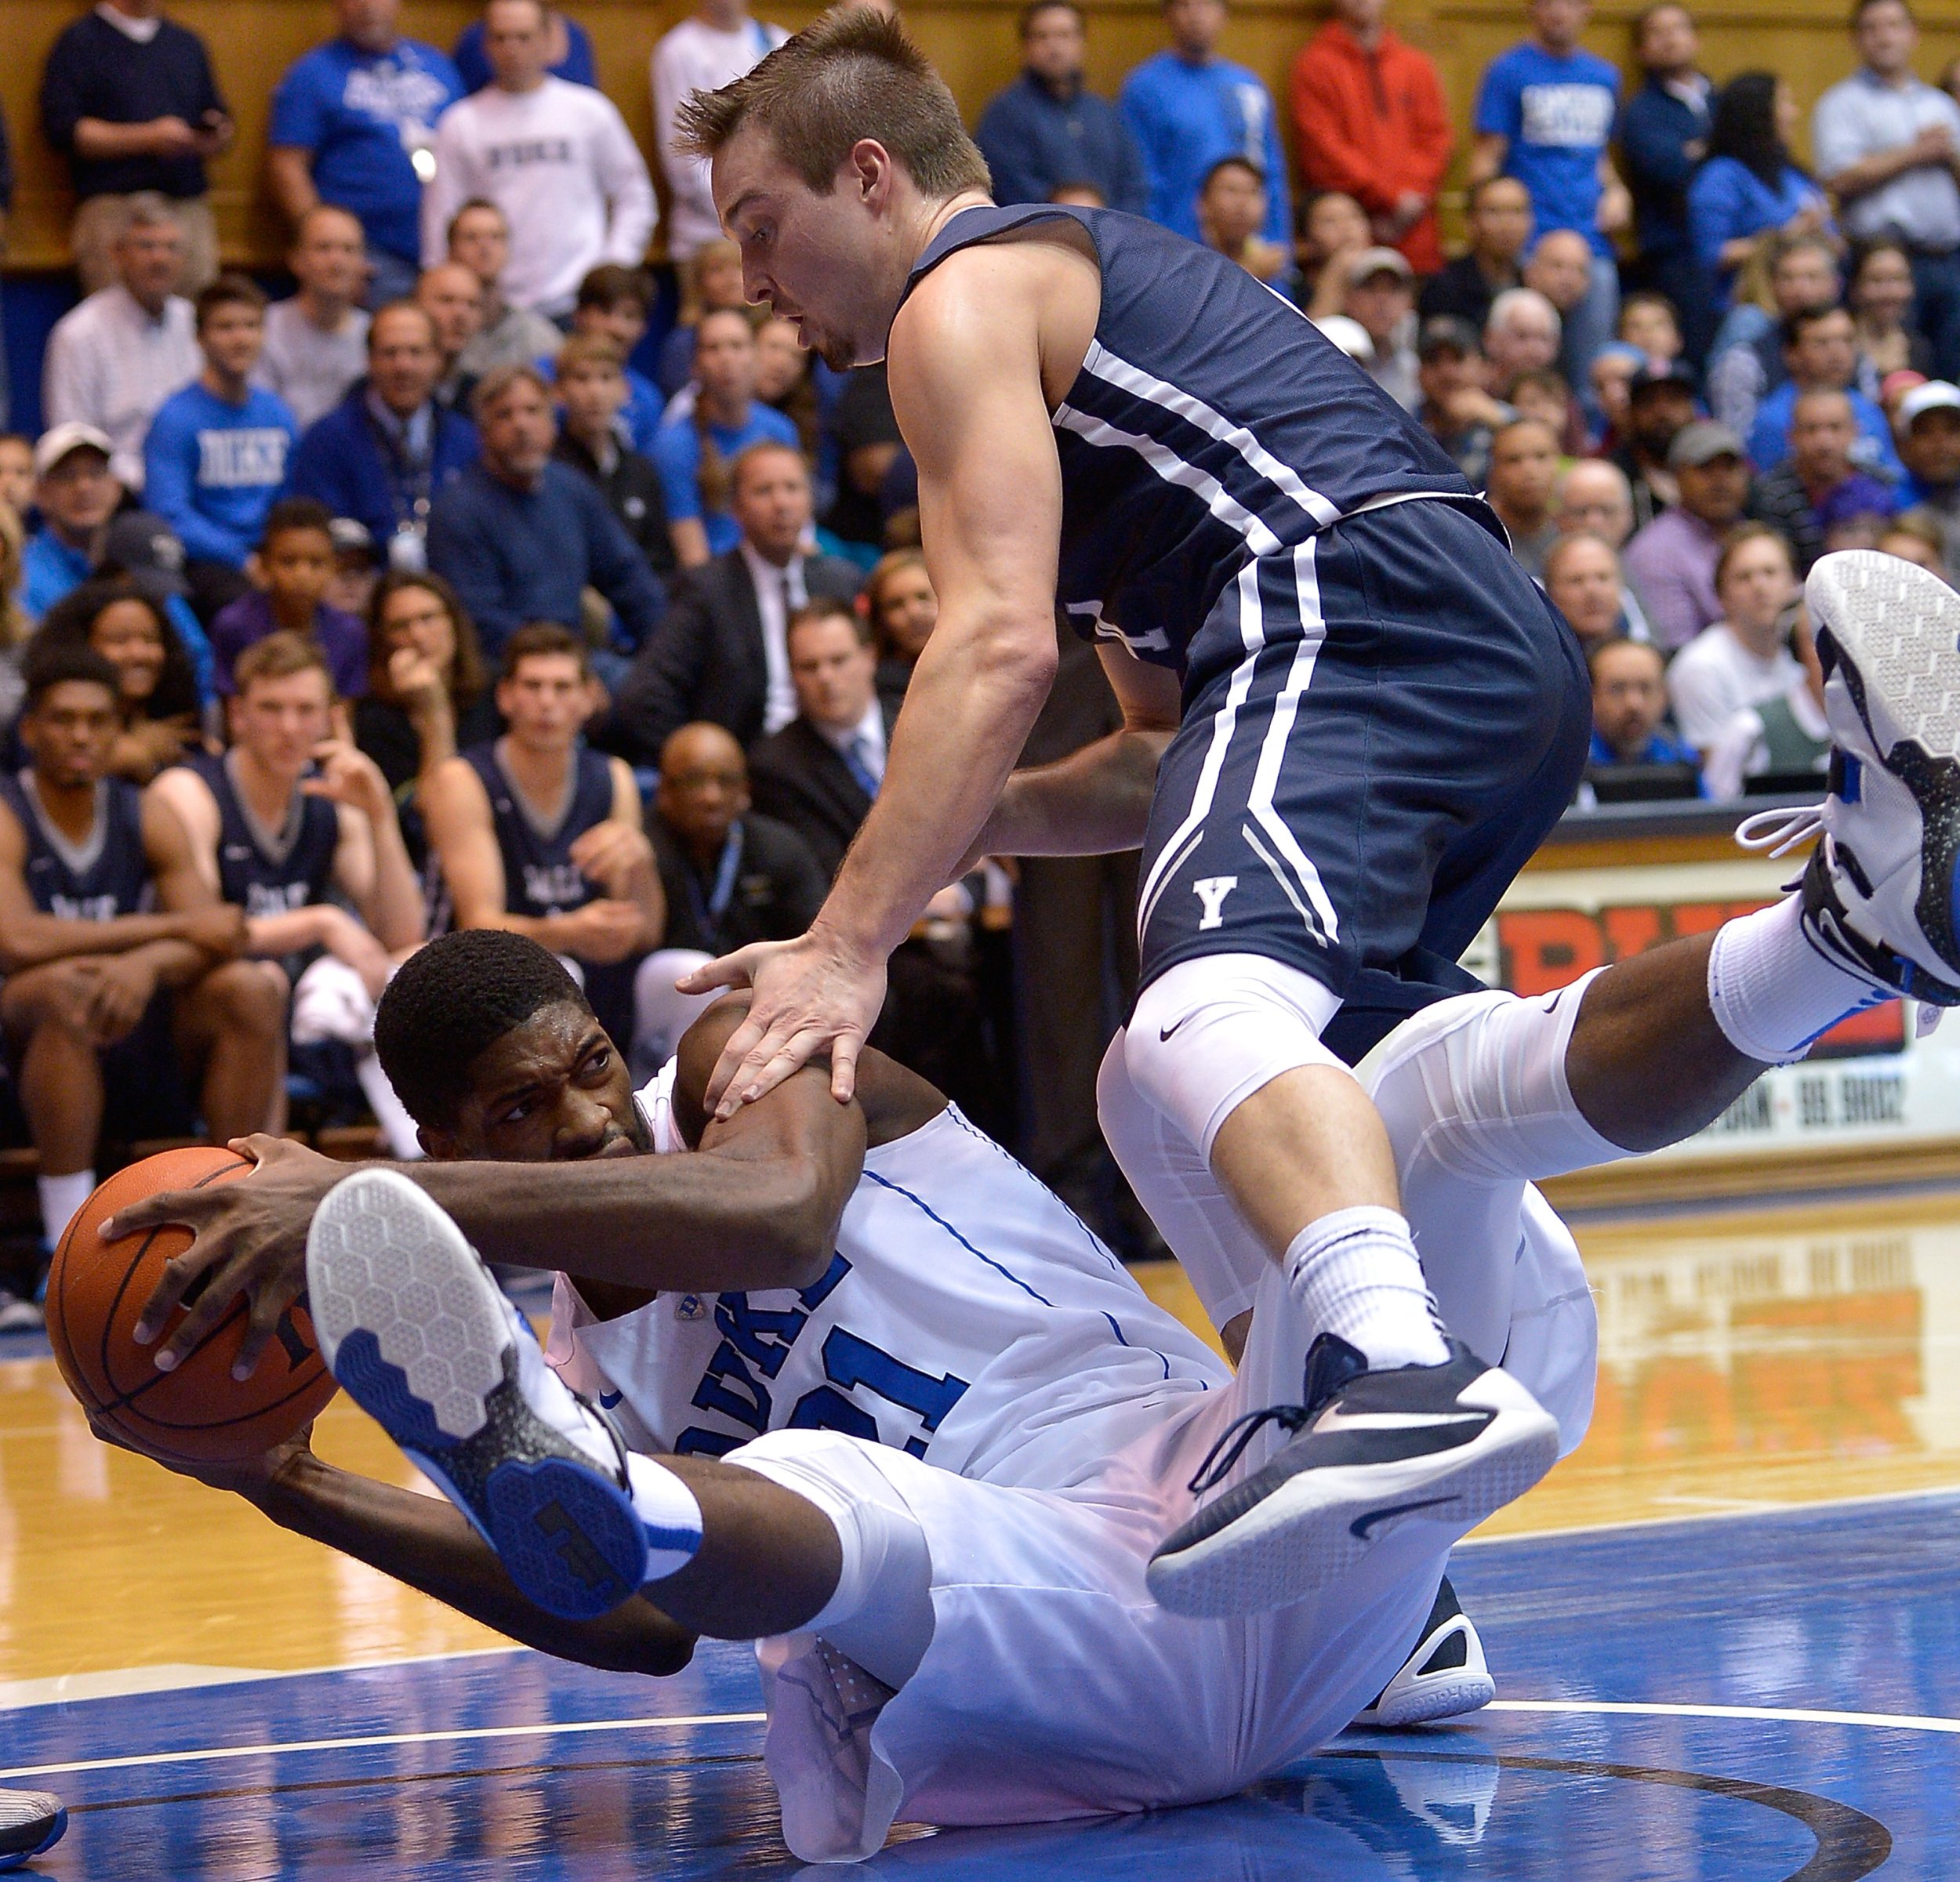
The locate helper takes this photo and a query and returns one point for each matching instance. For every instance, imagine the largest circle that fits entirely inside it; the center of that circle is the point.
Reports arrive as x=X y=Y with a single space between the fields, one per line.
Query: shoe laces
x=1780 y=829
x=1232 y=1442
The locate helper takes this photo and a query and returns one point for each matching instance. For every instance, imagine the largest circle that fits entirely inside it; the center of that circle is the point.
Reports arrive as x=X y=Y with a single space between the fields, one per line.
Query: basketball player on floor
x=122 y=966
x=536 y=832
x=296 y=827
x=1366 y=716
x=1005 y=1608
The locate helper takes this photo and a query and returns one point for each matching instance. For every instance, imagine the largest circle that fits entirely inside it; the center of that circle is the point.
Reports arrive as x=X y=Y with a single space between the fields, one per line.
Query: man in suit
x=722 y=652
x=819 y=775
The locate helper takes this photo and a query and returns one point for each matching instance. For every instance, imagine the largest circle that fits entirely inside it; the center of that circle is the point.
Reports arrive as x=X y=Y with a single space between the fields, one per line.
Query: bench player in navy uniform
x=1367 y=719
x=539 y=834
x=297 y=828
x=122 y=966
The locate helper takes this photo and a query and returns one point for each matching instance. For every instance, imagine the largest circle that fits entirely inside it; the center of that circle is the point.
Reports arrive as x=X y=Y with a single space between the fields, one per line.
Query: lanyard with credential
x=708 y=917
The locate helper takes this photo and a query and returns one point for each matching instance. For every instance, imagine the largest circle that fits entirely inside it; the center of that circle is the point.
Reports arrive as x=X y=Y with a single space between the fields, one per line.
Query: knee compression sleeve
x=1209 y=1033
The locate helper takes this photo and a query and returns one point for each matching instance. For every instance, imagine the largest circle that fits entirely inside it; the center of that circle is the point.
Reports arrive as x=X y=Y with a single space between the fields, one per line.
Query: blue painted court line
x=512 y=1766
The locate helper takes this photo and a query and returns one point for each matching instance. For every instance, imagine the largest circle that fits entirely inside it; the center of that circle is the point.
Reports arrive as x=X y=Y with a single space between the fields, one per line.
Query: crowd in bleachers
x=438 y=589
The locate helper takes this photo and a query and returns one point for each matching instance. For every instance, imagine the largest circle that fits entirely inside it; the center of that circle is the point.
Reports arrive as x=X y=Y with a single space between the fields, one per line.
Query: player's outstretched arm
x=425 y=1543
x=965 y=375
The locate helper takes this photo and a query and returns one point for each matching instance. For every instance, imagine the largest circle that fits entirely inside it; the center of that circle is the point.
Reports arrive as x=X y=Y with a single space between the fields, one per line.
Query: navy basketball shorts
x=1380 y=725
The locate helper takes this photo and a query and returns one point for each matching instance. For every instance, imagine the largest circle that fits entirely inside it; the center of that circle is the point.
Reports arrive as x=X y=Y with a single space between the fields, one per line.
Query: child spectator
x=357 y=568
x=214 y=460
x=157 y=690
x=592 y=394
x=296 y=563
x=694 y=452
x=1544 y=395
x=613 y=304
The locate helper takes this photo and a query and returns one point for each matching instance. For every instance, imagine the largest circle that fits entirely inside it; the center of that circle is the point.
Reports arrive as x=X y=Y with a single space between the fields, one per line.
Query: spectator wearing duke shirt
x=215 y=460
x=695 y=449
x=556 y=157
x=129 y=99
x=114 y=360
x=1887 y=146
x=387 y=450
x=1663 y=135
x=352 y=122
x=714 y=46
x=1370 y=120
x=1544 y=114
x=520 y=536
x=1048 y=130
x=1187 y=108
x=316 y=343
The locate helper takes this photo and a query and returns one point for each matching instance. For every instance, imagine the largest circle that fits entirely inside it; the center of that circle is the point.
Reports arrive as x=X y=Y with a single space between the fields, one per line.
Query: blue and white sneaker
x=1879 y=890
x=410 y=1323
x=31 y=1822
x=1442 y=1444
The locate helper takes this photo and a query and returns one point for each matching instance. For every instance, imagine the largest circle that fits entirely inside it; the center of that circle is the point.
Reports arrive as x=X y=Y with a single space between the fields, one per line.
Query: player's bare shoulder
x=1040 y=286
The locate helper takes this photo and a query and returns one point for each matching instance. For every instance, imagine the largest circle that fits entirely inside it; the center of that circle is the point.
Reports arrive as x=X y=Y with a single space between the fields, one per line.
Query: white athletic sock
x=397 y=1127
x=1772 y=992
x=664 y=1504
x=1354 y=1273
x=61 y=1198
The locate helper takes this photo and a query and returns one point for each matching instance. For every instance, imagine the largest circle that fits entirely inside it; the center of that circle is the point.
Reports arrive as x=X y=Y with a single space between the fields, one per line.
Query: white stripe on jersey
x=1115 y=371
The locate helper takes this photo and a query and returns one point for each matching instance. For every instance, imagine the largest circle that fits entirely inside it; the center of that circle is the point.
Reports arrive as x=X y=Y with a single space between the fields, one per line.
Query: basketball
x=95 y=1292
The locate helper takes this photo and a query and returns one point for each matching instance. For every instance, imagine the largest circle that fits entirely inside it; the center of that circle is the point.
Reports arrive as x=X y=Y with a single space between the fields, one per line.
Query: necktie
x=857 y=757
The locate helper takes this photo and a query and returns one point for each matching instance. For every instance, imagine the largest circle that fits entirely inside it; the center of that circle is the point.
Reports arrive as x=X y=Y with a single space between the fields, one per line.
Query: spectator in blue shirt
x=384 y=454
x=76 y=497
x=214 y=460
x=1188 y=108
x=1749 y=187
x=1663 y=135
x=520 y=536
x=351 y=122
x=570 y=52
x=1630 y=710
x=695 y=448
x=1820 y=354
x=1544 y=114
x=1047 y=130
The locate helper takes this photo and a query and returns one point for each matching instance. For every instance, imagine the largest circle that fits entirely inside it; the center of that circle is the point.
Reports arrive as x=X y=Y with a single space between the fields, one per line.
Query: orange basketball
x=96 y=1290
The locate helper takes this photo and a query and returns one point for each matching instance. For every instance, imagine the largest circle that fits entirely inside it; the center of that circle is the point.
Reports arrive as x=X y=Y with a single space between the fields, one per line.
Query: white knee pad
x=1209 y=1033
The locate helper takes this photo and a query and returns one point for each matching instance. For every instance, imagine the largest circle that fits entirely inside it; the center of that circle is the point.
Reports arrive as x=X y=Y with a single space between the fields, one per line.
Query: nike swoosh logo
x=1165 y=1034
x=1362 y=1524
x=608 y=1400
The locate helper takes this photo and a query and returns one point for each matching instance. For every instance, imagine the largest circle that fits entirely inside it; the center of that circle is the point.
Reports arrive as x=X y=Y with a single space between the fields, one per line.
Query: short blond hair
x=853 y=74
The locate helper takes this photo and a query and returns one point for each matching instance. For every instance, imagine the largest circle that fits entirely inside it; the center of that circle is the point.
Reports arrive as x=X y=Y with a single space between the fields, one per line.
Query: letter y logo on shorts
x=1212 y=890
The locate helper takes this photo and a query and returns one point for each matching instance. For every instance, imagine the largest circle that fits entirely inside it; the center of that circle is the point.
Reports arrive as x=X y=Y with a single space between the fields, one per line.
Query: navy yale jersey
x=540 y=876
x=1210 y=422
x=98 y=880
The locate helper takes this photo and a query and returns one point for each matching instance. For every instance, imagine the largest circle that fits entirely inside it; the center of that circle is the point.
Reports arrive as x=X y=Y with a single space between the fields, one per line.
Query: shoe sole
x=1899 y=625
x=56 y=1829
x=1301 y=1538
x=413 y=1328
x=1441 y=1696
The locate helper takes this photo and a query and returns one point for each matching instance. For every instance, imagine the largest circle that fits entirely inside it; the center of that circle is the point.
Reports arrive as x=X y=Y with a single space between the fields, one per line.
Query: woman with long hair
x=427 y=694
x=904 y=609
x=1749 y=187
x=710 y=279
x=125 y=623
x=1879 y=295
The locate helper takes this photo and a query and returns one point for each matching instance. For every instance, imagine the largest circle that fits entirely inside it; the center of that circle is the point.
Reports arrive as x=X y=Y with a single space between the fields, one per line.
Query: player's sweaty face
x=814 y=259
x=553 y=1090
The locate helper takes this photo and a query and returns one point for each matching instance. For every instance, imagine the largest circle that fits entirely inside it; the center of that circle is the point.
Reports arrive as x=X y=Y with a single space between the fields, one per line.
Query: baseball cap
x=1933 y=396
x=1378 y=261
x=63 y=441
x=1347 y=334
x=1702 y=442
x=147 y=549
x=351 y=537
x=1447 y=333
x=1672 y=374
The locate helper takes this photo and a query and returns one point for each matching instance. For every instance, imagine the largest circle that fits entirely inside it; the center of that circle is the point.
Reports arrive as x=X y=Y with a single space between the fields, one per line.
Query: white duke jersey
x=968 y=1316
